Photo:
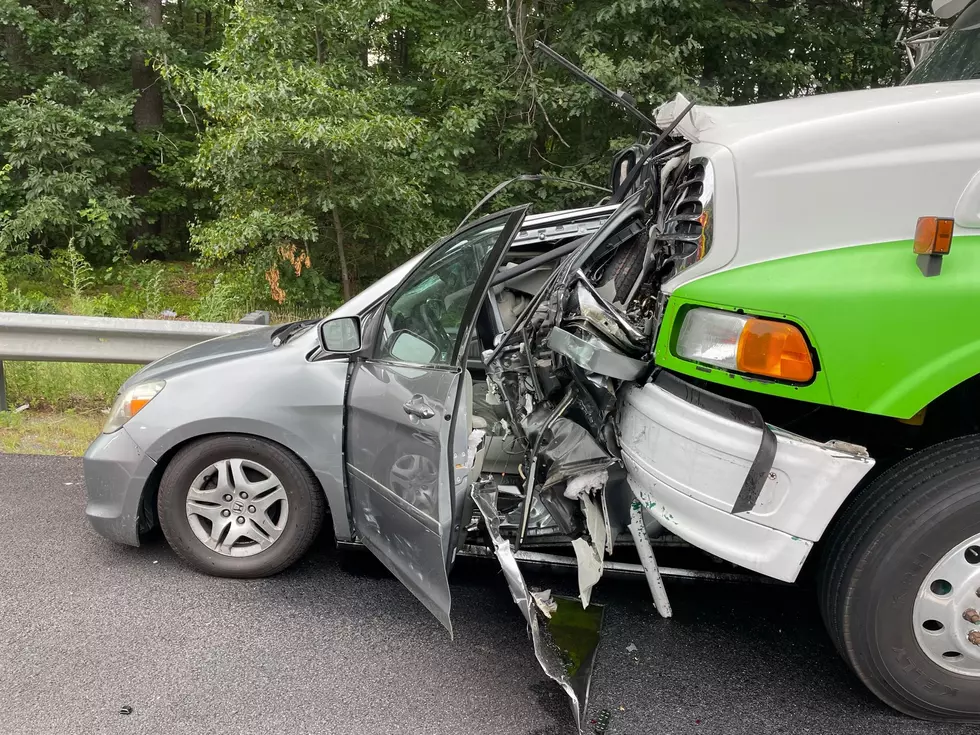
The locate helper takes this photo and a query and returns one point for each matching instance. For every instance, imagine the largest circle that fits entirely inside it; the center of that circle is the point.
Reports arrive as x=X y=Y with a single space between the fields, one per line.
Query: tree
x=308 y=148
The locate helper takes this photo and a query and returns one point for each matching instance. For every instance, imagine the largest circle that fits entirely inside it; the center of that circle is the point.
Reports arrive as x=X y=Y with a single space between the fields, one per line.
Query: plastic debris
x=585 y=484
x=631 y=648
x=545 y=603
x=21 y=409
x=473 y=445
x=125 y=710
x=601 y=722
x=168 y=313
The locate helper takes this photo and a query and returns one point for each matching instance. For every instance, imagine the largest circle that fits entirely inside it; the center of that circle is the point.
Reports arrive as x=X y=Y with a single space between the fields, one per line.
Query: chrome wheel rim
x=237 y=507
x=946 y=614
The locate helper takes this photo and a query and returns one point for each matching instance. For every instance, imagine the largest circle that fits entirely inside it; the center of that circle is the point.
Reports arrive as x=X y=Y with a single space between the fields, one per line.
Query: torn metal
x=563 y=645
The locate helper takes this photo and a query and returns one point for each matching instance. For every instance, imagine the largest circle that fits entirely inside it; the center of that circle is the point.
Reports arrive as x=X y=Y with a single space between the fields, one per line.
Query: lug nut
x=226 y=512
x=243 y=494
x=251 y=509
x=241 y=519
x=974 y=637
x=227 y=498
x=971 y=616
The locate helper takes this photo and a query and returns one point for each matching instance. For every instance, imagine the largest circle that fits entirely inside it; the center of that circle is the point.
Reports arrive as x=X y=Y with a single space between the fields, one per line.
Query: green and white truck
x=783 y=357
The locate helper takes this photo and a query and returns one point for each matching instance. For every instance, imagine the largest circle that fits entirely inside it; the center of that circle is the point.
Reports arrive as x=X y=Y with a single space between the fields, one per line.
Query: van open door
x=409 y=409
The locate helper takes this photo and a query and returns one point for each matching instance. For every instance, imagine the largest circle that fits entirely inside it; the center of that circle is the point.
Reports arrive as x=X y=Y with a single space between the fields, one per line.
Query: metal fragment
x=649 y=561
x=565 y=645
x=595 y=356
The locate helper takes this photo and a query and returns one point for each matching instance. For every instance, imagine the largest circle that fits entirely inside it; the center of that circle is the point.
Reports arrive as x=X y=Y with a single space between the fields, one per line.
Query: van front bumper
x=116 y=472
x=713 y=473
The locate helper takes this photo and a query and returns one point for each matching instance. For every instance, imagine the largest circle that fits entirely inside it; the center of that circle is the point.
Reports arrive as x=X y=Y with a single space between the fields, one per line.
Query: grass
x=42 y=432
x=62 y=386
x=80 y=392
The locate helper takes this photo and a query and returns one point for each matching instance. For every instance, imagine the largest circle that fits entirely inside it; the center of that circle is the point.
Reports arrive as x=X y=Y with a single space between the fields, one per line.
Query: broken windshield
x=957 y=54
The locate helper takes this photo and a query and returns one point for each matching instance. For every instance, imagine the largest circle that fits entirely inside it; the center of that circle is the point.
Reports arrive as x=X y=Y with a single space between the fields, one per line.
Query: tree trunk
x=13 y=51
x=342 y=255
x=346 y=278
x=147 y=115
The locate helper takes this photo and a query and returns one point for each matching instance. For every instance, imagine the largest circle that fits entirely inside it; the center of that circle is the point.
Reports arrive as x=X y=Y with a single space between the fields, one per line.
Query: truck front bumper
x=713 y=473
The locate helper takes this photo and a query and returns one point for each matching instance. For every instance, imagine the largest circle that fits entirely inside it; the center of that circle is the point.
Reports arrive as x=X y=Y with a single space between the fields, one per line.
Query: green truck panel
x=888 y=339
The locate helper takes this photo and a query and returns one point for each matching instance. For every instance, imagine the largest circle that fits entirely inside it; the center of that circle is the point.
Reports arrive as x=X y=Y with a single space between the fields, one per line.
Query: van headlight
x=745 y=344
x=129 y=403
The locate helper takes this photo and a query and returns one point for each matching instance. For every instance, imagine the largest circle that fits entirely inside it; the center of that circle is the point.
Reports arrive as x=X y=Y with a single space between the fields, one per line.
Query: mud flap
x=565 y=635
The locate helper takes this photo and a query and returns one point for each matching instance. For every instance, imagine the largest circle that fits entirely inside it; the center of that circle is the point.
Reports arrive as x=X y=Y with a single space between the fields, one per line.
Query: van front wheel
x=900 y=584
x=239 y=506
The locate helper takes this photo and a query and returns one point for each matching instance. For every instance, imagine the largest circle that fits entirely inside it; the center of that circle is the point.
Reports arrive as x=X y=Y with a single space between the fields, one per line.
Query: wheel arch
x=953 y=414
x=166 y=451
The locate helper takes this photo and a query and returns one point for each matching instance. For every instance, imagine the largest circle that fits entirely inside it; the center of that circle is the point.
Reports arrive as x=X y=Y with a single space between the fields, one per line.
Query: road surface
x=88 y=628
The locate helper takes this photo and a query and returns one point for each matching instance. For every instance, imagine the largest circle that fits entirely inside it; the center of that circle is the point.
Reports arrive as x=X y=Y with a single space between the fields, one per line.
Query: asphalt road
x=88 y=627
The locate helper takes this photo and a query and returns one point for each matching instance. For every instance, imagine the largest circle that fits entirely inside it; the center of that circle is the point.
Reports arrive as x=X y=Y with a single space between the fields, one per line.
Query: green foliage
x=222 y=303
x=74 y=271
x=63 y=385
x=307 y=145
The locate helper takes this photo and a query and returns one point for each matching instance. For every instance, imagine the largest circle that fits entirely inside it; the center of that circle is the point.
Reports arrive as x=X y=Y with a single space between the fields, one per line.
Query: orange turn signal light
x=774 y=349
x=136 y=405
x=933 y=236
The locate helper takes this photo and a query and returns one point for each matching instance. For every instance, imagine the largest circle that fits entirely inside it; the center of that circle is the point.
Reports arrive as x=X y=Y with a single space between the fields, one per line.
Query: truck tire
x=899 y=583
x=624 y=268
x=239 y=506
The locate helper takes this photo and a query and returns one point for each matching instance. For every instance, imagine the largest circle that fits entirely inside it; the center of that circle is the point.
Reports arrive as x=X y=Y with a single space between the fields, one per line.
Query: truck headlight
x=745 y=344
x=129 y=403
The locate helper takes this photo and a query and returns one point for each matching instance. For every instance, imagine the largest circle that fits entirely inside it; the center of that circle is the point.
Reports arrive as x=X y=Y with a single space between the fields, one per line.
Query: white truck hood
x=835 y=170
x=729 y=125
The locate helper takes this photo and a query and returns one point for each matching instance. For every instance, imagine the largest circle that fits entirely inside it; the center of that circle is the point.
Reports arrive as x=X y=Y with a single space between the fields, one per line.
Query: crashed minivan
x=764 y=343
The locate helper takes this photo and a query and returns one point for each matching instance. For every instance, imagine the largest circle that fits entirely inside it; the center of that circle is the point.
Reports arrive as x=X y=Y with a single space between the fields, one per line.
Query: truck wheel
x=239 y=506
x=900 y=584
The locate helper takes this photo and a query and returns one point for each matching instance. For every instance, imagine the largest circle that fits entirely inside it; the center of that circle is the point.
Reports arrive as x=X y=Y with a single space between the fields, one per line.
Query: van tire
x=875 y=560
x=304 y=498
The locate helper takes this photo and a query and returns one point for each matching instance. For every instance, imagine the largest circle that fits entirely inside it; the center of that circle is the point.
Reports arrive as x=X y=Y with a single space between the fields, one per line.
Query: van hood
x=205 y=354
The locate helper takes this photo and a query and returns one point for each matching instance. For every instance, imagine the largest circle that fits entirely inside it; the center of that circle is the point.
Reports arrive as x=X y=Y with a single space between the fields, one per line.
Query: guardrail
x=57 y=338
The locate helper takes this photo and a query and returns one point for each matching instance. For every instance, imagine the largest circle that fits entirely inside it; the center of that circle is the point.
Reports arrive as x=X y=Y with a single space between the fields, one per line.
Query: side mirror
x=408 y=347
x=342 y=334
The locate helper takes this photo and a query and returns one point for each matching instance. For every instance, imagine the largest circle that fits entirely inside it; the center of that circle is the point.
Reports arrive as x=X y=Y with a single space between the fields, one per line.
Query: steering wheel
x=432 y=312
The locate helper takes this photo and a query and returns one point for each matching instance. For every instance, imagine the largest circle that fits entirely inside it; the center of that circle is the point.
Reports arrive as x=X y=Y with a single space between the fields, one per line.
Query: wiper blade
x=596 y=84
x=282 y=335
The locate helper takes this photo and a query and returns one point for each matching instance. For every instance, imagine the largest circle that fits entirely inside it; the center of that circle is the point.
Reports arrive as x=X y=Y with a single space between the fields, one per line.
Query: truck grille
x=687 y=224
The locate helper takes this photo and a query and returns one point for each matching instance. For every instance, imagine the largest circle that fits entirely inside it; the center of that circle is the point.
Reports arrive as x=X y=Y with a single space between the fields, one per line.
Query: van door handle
x=418 y=408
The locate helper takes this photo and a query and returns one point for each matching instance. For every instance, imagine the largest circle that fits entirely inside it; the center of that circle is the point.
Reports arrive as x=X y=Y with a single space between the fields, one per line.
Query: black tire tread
x=866 y=522
x=624 y=268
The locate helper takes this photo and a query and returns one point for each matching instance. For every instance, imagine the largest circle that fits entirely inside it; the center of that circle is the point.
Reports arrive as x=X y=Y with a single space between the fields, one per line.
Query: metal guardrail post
x=3 y=389
x=256 y=317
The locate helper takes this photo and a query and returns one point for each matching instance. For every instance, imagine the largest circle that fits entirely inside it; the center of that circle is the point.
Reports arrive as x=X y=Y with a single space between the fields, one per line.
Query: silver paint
x=941 y=615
